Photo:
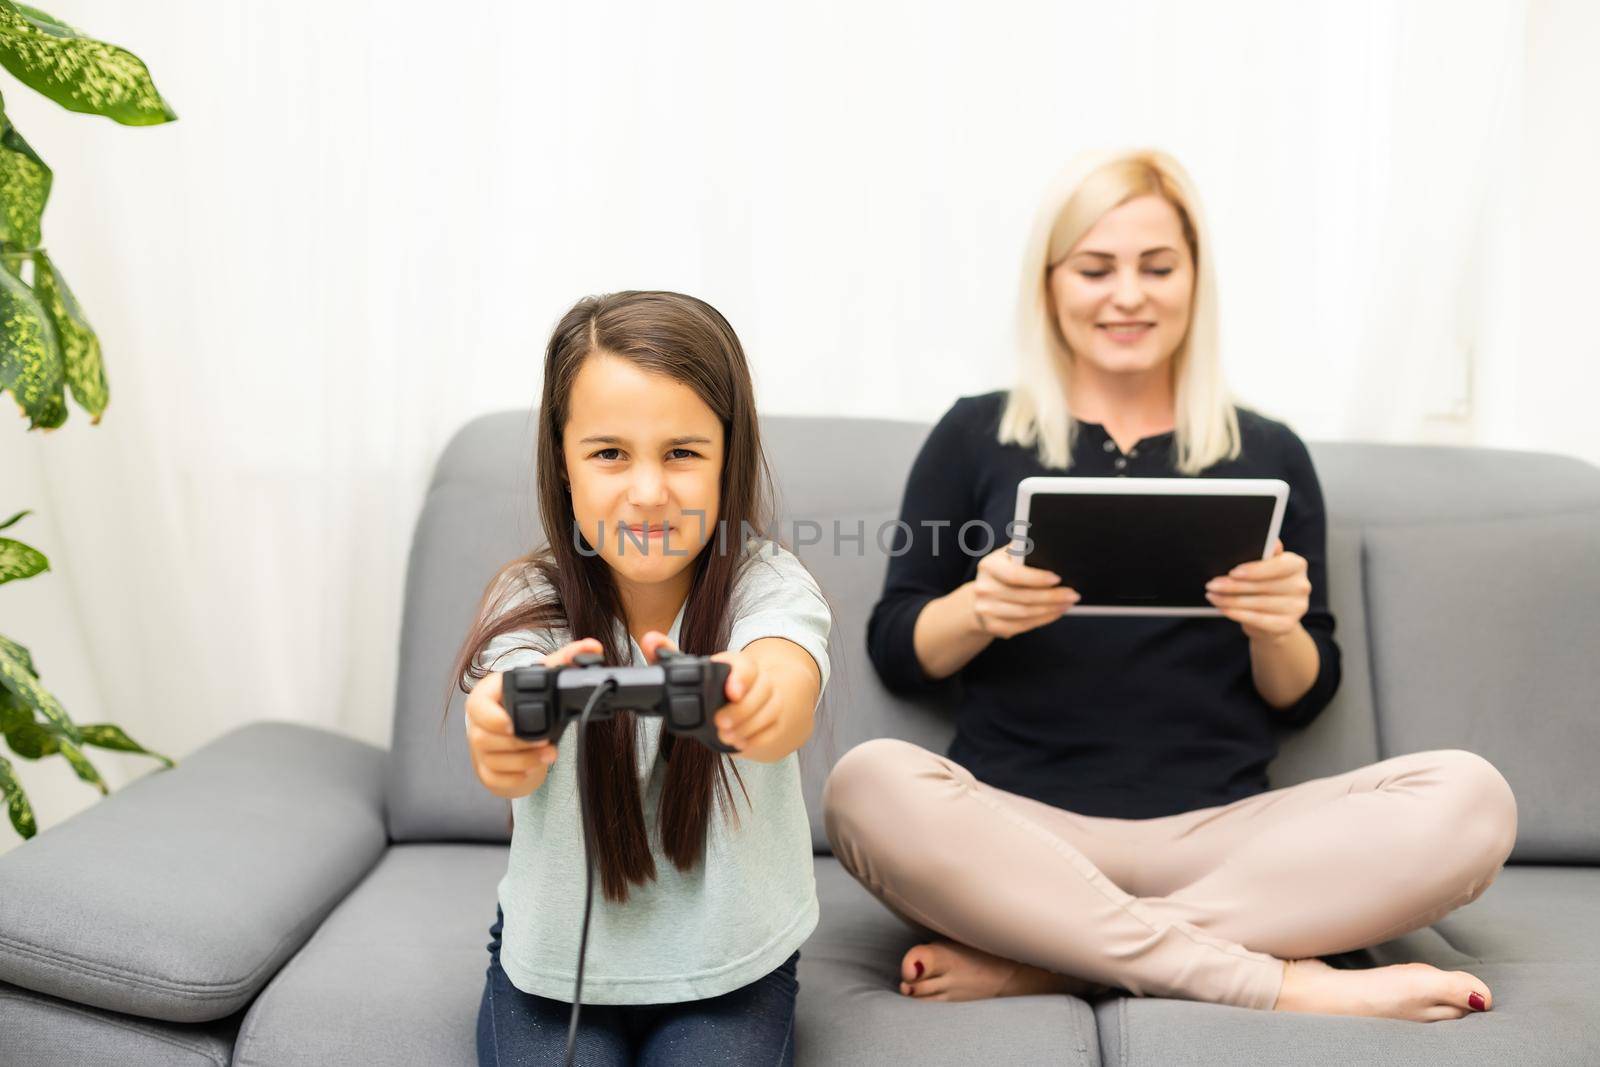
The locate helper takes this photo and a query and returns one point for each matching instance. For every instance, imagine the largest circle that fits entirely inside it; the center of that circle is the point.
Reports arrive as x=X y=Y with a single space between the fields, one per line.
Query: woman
x=1103 y=816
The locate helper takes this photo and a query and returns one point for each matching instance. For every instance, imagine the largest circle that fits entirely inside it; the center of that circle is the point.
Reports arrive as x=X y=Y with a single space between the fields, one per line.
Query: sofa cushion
x=1541 y=1018
x=851 y=1012
x=41 y=1031
x=478 y=515
x=395 y=974
x=1486 y=637
x=1531 y=914
x=856 y=707
x=1534 y=937
x=1384 y=485
x=179 y=896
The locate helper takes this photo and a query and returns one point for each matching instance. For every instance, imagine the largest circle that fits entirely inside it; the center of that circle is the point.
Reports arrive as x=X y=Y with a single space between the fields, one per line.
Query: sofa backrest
x=1480 y=579
x=1463 y=582
x=479 y=514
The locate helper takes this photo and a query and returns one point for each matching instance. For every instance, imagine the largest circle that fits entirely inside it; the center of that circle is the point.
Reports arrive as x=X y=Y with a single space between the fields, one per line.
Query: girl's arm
x=772 y=692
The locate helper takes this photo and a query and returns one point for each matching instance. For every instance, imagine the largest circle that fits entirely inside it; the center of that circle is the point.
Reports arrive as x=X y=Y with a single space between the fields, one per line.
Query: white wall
x=1552 y=384
x=362 y=227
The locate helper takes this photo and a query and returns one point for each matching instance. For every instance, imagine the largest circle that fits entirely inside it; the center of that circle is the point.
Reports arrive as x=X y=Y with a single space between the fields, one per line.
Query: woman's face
x=1122 y=295
x=644 y=456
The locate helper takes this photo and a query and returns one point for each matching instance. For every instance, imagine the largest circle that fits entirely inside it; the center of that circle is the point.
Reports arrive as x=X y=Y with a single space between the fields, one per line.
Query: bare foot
x=949 y=970
x=1403 y=991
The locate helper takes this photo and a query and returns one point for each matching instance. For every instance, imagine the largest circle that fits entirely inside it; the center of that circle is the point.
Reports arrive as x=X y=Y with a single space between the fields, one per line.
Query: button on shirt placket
x=1120 y=464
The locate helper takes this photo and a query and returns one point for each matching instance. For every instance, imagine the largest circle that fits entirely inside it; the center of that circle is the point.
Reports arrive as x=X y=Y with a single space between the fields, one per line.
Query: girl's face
x=1122 y=295
x=644 y=457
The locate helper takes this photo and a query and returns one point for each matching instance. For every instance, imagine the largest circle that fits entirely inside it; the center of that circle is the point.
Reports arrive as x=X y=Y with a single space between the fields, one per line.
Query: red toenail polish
x=918 y=965
x=1475 y=1002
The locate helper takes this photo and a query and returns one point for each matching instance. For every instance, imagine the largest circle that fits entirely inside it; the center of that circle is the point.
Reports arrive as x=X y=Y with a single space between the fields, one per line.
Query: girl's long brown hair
x=687 y=340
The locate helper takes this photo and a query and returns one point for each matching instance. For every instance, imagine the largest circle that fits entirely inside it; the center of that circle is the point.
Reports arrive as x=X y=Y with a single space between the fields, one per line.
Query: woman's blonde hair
x=1037 y=413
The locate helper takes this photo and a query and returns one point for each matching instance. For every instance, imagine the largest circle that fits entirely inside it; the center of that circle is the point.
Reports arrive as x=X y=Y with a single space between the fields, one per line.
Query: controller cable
x=605 y=689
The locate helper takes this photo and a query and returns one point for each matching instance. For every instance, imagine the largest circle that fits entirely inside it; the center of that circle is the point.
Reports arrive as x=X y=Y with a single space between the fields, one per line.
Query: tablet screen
x=1153 y=551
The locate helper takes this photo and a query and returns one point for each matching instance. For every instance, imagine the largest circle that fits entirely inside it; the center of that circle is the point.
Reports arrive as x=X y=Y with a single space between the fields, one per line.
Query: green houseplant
x=47 y=348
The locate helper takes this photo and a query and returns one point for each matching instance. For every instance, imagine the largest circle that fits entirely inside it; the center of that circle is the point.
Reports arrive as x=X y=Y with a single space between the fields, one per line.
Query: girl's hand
x=1009 y=597
x=751 y=708
x=753 y=719
x=507 y=765
x=1267 y=597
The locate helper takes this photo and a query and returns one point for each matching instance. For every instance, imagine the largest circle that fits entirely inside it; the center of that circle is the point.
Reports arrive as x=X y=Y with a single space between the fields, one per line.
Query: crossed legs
x=1204 y=905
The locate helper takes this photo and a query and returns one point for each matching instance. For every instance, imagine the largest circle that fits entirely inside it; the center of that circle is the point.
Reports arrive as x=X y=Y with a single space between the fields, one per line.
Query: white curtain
x=367 y=218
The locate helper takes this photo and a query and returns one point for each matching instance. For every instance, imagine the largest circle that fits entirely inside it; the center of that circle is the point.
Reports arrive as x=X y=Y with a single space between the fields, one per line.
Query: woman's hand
x=507 y=765
x=757 y=720
x=1009 y=597
x=1267 y=597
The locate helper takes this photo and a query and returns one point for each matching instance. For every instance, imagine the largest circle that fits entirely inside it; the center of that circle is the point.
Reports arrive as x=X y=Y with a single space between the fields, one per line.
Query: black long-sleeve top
x=1120 y=716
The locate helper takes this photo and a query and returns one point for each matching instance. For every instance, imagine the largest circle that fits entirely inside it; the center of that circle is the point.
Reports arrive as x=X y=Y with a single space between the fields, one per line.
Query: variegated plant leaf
x=13 y=712
x=80 y=348
x=18 y=653
x=81 y=765
x=78 y=72
x=107 y=735
x=23 y=684
x=16 y=801
x=13 y=520
x=30 y=360
x=18 y=560
x=33 y=740
x=24 y=188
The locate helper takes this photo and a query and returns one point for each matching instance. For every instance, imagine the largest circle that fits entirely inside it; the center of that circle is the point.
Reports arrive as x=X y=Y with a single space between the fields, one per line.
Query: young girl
x=650 y=470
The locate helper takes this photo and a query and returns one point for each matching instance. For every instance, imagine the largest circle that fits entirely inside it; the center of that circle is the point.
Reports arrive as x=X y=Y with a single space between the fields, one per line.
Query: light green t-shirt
x=687 y=935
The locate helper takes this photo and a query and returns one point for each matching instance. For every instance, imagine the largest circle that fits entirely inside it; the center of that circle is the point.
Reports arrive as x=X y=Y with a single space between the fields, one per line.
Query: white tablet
x=1145 y=546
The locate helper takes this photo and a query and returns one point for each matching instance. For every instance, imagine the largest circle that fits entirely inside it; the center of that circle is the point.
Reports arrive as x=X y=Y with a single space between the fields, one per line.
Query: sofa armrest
x=179 y=896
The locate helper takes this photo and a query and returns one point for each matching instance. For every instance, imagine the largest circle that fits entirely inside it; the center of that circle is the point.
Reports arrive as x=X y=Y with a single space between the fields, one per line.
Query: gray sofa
x=289 y=896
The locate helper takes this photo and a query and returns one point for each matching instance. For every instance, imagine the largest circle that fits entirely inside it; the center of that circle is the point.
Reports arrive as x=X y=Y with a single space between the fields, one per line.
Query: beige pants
x=1205 y=905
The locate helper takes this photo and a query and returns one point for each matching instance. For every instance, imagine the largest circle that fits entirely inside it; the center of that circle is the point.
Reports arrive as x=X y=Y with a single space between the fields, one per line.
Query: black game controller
x=685 y=690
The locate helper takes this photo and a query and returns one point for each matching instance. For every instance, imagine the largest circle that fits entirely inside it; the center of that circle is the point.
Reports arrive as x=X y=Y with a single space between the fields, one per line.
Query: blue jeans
x=753 y=1025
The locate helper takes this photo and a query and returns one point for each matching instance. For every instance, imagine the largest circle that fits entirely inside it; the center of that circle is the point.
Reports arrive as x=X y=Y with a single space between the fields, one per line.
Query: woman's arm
x=947 y=635
x=1268 y=598
x=940 y=607
x=1005 y=599
x=1284 y=667
x=1282 y=602
x=917 y=634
